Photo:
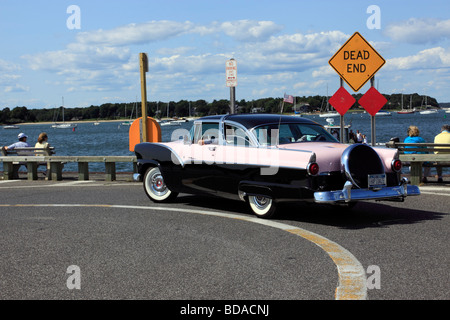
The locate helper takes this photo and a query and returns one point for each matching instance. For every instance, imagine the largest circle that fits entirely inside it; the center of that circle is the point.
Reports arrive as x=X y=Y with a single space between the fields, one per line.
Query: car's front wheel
x=155 y=187
x=263 y=207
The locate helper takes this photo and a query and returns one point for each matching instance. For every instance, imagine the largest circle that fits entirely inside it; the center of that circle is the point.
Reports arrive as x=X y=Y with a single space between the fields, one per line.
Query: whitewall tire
x=261 y=206
x=155 y=187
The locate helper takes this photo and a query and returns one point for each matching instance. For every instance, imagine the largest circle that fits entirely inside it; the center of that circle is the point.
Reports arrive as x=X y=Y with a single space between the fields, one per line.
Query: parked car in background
x=265 y=159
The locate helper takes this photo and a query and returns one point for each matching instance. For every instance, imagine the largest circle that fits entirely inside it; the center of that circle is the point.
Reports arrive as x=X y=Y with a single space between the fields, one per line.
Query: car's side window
x=235 y=136
x=206 y=133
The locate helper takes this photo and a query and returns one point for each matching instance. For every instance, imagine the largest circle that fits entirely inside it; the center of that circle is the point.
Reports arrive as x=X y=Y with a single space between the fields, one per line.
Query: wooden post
x=416 y=173
x=83 y=170
x=110 y=171
x=32 y=171
x=56 y=171
x=9 y=171
x=232 y=100
x=144 y=68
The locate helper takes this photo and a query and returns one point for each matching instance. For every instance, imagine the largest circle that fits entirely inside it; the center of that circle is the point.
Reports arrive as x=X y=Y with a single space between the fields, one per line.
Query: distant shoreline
x=77 y=122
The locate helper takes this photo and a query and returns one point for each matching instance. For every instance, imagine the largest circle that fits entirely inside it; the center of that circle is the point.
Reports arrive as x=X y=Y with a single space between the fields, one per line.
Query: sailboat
x=129 y=122
x=169 y=122
x=190 y=118
x=428 y=108
x=406 y=111
x=329 y=113
x=64 y=125
x=11 y=126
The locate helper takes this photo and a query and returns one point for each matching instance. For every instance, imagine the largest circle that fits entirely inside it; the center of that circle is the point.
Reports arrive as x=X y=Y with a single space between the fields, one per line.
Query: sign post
x=341 y=116
x=372 y=118
x=143 y=63
x=231 y=81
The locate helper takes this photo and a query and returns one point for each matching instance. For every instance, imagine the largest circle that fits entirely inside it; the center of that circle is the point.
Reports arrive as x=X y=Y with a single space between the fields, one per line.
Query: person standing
x=443 y=137
x=359 y=138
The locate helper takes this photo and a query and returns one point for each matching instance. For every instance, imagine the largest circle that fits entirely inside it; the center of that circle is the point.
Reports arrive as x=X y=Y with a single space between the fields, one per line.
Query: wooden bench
x=83 y=165
x=419 y=160
x=56 y=164
x=28 y=156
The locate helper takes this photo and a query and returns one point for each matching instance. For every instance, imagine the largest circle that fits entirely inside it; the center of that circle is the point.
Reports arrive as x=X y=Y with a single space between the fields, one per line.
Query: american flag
x=288 y=98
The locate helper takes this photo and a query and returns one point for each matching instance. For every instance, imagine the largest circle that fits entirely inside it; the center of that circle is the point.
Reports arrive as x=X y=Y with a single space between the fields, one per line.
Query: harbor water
x=111 y=138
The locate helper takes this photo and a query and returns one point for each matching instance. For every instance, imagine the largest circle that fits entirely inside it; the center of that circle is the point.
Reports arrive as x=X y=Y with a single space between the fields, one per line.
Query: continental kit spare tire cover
x=358 y=161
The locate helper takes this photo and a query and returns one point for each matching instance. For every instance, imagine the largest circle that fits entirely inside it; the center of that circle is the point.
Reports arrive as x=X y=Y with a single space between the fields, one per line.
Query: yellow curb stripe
x=352 y=278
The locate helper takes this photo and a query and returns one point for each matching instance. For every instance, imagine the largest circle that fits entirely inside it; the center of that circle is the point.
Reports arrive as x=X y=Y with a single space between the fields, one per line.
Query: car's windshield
x=285 y=133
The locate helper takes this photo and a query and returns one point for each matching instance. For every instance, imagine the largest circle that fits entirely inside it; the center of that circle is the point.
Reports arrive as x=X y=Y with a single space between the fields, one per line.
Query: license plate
x=376 y=180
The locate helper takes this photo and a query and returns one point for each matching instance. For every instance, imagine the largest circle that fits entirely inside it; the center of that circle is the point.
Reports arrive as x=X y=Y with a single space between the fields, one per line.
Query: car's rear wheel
x=155 y=187
x=263 y=207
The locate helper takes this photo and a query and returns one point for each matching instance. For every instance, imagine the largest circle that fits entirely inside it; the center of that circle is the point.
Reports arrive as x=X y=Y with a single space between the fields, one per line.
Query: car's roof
x=250 y=120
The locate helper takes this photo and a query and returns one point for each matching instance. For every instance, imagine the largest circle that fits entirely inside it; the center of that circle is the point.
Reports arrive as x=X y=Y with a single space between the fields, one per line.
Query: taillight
x=312 y=168
x=396 y=165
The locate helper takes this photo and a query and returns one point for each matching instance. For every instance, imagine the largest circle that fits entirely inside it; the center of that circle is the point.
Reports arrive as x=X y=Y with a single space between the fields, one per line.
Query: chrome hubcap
x=157 y=184
x=261 y=202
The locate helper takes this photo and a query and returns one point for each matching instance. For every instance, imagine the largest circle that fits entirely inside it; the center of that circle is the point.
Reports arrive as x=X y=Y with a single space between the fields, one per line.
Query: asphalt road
x=126 y=247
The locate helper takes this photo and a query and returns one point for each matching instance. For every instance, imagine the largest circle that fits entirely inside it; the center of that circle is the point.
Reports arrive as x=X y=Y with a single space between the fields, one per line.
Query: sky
x=88 y=51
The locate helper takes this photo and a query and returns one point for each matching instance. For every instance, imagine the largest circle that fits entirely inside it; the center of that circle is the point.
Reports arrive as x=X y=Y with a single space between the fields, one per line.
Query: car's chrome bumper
x=137 y=177
x=347 y=194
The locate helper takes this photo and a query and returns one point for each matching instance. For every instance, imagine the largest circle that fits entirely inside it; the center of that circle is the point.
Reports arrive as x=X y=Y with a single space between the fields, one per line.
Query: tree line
x=185 y=108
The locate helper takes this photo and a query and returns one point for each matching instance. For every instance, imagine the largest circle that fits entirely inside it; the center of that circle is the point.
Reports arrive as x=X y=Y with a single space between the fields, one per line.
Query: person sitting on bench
x=443 y=137
x=22 y=143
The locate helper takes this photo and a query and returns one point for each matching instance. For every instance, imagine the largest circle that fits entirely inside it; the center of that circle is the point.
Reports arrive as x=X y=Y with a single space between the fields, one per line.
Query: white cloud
x=324 y=71
x=6 y=66
x=16 y=88
x=250 y=30
x=323 y=43
x=433 y=58
x=293 y=52
x=103 y=60
x=419 y=31
x=133 y=34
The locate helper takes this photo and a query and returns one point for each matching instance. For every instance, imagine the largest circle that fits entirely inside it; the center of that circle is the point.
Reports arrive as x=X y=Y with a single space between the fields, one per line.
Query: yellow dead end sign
x=356 y=61
x=135 y=133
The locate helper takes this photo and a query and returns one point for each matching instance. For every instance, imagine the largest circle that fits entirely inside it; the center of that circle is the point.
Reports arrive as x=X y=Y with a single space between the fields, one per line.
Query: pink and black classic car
x=267 y=158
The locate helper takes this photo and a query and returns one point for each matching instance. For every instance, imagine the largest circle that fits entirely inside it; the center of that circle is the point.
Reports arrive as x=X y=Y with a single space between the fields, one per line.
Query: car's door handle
x=212 y=148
